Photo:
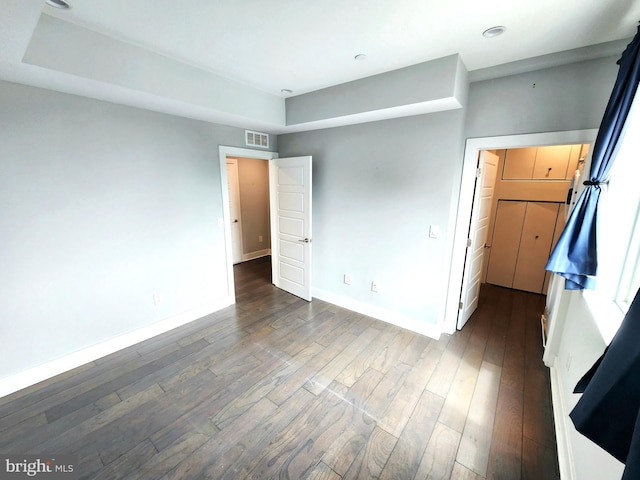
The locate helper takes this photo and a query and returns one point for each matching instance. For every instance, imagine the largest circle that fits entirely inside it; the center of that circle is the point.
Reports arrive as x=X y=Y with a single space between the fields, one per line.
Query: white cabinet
x=556 y=162
x=519 y=163
x=552 y=163
x=522 y=239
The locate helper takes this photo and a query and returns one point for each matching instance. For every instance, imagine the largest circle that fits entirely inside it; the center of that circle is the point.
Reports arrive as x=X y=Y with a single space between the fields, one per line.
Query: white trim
x=231 y=187
x=55 y=367
x=398 y=319
x=225 y=151
x=561 y=419
x=465 y=202
x=556 y=311
x=607 y=314
x=257 y=254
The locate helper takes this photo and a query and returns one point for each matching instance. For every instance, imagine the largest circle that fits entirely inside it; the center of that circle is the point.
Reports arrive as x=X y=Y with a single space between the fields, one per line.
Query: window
x=630 y=278
x=619 y=230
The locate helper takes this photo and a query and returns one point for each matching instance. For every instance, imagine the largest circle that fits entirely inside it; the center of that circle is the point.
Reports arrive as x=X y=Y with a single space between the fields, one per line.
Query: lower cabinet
x=523 y=236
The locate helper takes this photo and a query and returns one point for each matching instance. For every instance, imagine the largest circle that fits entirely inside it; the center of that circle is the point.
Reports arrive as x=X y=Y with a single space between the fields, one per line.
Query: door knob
x=235 y=221
x=306 y=240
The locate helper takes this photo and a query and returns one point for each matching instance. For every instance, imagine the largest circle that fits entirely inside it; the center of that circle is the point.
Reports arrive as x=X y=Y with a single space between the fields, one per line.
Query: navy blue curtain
x=574 y=256
x=608 y=413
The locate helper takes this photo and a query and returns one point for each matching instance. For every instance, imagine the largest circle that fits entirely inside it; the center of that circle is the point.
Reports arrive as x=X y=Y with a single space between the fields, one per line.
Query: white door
x=535 y=246
x=290 y=190
x=483 y=195
x=234 y=210
x=507 y=232
x=522 y=239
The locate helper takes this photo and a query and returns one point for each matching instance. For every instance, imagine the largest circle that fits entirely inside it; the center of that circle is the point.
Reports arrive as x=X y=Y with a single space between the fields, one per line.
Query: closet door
x=506 y=242
x=535 y=246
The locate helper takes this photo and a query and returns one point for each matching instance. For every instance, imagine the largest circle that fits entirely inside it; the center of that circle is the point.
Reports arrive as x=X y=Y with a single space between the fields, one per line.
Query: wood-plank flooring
x=275 y=387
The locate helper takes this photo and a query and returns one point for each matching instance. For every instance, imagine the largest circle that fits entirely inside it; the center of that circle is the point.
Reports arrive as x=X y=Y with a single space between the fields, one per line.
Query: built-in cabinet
x=523 y=235
x=528 y=213
x=556 y=162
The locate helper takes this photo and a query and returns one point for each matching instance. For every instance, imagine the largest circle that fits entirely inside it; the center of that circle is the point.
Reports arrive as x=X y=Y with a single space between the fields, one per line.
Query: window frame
x=618 y=236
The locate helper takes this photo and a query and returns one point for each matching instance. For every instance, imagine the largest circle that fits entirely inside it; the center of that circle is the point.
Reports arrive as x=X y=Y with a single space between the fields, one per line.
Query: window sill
x=607 y=315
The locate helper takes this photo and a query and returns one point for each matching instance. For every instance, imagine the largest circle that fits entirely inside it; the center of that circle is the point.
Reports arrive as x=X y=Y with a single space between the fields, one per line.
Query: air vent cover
x=256 y=139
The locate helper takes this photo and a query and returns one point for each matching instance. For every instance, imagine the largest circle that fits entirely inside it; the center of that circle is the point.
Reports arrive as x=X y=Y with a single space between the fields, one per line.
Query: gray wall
x=378 y=186
x=102 y=206
x=66 y=47
x=435 y=80
x=570 y=97
x=376 y=189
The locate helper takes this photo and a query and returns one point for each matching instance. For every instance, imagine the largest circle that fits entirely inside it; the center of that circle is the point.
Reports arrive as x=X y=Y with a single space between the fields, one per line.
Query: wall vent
x=256 y=139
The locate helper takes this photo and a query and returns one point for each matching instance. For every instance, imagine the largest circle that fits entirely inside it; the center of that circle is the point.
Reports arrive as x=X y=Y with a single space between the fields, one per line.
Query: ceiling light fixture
x=493 y=31
x=286 y=91
x=59 y=4
x=360 y=57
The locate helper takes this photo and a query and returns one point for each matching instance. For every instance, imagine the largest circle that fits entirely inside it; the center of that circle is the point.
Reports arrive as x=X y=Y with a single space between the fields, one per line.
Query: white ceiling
x=305 y=45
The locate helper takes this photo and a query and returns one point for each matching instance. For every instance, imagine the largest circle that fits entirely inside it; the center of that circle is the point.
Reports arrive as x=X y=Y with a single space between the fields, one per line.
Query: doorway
x=290 y=214
x=248 y=183
x=473 y=148
x=230 y=153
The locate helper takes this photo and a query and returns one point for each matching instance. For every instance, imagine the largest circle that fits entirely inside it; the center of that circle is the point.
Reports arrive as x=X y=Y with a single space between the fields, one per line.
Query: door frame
x=224 y=152
x=465 y=199
x=234 y=161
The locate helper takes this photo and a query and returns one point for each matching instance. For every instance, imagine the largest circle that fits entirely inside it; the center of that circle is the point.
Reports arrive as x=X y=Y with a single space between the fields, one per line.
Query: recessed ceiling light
x=493 y=31
x=286 y=91
x=59 y=4
x=360 y=57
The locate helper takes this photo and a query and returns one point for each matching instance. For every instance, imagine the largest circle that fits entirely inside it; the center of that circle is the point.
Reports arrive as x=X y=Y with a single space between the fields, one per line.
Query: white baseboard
x=60 y=365
x=257 y=254
x=398 y=319
x=560 y=418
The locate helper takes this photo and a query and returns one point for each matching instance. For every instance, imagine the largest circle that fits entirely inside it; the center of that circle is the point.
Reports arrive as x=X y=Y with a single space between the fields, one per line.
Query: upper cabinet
x=557 y=162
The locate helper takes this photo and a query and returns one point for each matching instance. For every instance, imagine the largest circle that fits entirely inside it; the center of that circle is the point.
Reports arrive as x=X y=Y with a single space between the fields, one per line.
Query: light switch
x=434 y=231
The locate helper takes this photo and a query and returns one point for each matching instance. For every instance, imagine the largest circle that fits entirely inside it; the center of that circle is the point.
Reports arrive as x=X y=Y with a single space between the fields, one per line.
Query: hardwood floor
x=275 y=387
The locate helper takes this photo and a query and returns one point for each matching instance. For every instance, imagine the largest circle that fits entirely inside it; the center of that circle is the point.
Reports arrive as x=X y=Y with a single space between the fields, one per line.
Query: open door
x=290 y=190
x=234 y=210
x=483 y=195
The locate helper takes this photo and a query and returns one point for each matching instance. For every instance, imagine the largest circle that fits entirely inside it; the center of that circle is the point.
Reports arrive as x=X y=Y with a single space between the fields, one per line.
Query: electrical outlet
x=347 y=279
x=374 y=287
x=157 y=299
